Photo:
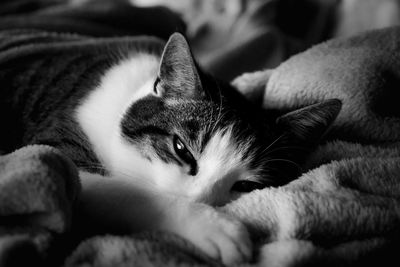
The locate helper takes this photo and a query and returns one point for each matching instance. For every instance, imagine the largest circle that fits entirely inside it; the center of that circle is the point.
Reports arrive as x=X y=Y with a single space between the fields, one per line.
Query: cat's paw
x=217 y=234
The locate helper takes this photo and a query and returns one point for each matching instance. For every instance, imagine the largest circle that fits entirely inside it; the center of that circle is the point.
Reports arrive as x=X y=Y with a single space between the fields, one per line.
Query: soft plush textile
x=344 y=209
x=362 y=71
x=98 y=18
x=38 y=186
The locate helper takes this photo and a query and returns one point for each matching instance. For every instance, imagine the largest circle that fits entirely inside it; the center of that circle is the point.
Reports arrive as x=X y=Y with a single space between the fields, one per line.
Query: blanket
x=343 y=210
x=99 y=18
x=38 y=186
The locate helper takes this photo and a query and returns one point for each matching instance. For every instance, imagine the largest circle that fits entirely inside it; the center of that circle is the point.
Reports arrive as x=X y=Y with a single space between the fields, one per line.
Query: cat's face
x=193 y=136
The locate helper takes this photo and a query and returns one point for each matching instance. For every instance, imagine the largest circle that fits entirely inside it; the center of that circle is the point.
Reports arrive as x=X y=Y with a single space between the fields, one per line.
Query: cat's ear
x=178 y=75
x=310 y=123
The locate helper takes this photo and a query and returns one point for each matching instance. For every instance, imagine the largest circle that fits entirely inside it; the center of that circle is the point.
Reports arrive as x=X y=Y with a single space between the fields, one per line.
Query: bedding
x=343 y=210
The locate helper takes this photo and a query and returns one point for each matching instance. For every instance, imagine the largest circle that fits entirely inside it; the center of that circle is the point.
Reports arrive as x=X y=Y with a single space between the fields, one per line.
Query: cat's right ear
x=307 y=125
x=178 y=75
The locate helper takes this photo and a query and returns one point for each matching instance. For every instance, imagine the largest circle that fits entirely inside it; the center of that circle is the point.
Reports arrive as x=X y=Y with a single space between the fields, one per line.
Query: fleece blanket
x=38 y=186
x=343 y=210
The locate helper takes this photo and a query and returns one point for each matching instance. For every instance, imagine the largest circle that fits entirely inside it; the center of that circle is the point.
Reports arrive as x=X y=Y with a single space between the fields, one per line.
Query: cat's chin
x=125 y=161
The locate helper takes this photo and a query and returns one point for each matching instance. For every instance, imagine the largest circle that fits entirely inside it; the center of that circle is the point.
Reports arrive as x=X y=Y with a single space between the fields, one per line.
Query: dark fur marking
x=139 y=133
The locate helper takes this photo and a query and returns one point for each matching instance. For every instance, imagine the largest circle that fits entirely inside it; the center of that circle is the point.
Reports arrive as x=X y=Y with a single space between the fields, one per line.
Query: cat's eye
x=246 y=186
x=184 y=154
x=155 y=86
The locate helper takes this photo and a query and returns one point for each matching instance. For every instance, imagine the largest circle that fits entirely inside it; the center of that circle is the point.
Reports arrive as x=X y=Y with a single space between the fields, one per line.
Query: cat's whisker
x=274 y=142
x=219 y=117
x=266 y=153
x=279 y=177
x=284 y=160
x=92 y=166
x=210 y=122
x=121 y=174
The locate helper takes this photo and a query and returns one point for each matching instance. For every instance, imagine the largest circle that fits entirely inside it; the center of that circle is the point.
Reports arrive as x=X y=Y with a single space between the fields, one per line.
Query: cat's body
x=43 y=90
x=153 y=136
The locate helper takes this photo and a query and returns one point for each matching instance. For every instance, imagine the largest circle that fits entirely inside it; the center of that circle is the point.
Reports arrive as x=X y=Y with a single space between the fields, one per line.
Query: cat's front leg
x=219 y=235
x=119 y=205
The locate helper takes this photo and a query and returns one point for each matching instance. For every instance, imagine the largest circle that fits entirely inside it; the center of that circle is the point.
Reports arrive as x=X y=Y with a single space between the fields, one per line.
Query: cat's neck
x=101 y=112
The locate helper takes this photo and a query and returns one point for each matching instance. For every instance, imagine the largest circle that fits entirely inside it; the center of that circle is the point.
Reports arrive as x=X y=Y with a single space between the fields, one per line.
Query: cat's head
x=192 y=135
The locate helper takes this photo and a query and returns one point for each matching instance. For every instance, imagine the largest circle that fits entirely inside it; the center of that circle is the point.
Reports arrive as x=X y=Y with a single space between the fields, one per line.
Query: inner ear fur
x=310 y=123
x=178 y=72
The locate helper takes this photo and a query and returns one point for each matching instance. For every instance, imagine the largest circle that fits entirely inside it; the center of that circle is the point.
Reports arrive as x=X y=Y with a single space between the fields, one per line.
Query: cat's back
x=45 y=77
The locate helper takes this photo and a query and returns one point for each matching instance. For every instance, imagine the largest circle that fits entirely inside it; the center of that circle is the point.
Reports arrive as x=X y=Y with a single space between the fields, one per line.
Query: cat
x=159 y=143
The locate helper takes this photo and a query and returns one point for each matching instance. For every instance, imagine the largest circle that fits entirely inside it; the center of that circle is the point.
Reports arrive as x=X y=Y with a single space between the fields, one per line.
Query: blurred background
x=254 y=34
x=228 y=37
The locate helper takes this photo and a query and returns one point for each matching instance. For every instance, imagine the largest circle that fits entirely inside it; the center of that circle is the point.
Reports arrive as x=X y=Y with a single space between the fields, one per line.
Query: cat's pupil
x=182 y=151
x=246 y=186
x=184 y=154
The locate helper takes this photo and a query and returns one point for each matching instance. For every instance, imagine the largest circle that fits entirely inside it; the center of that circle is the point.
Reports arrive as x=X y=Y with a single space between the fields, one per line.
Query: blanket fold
x=145 y=249
x=343 y=210
x=362 y=71
x=38 y=186
x=95 y=18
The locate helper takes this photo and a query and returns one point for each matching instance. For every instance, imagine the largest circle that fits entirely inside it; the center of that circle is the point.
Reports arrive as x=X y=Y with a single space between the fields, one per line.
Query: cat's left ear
x=178 y=75
x=309 y=124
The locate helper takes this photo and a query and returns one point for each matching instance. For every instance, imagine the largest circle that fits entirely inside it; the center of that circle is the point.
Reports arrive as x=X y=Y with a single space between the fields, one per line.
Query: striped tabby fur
x=149 y=130
x=120 y=106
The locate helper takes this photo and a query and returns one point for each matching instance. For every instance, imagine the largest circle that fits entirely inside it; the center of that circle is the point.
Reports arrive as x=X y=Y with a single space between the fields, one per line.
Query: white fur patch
x=100 y=114
x=220 y=165
x=128 y=163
